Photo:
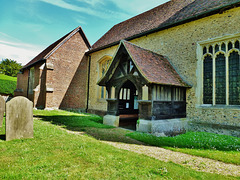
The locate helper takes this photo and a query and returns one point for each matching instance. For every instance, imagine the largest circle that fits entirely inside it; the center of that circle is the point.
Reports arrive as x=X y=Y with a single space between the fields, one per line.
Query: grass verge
x=90 y=124
x=71 y=120
x=218 y=147
x=7 y=84
x=55 y=154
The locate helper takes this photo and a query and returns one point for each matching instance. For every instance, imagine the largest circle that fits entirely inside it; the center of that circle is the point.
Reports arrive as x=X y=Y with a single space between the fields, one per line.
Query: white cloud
x=98 y=12
x=4 y=36
x=20 y=52
x=63 y=4
x=92 y=2
x=81 y=20
x=137 y=6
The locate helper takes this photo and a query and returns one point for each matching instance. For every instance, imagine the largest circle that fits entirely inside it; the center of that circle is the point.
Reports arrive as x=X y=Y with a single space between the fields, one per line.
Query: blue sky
x=29 y=26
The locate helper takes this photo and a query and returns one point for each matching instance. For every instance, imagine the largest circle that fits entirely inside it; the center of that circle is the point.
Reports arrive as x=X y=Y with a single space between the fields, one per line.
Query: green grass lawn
x=71 y=120
x=218 y=147
x=209 y=145
x=54 y=153
x=7 y=84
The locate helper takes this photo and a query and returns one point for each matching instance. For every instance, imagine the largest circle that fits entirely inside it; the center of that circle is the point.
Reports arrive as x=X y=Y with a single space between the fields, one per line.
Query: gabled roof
x=141 y=23
x=153 y=67
x=46 y=53
x=200 y=8
x=170 y=14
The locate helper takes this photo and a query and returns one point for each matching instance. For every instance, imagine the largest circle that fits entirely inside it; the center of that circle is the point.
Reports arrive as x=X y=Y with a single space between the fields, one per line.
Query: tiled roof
x=54 y=46
x=199 y=7
x=154 y=67
x=170 y=13
x=142 y=22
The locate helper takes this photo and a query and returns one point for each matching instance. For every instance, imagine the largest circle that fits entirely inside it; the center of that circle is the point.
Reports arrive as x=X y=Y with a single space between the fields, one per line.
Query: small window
x=230 y=45
x=234 y=79
x=220 y=79
x=103 y=67
x=210 y=49
x=207 y=80
x=204 y=50
x=31 y=81
x=223 y=47
x=130 y=66
x=237 y=44
x=216 y=48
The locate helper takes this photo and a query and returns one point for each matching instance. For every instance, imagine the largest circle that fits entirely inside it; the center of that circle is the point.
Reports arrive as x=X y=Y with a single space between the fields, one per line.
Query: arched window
x=208 y=79
x=220 y=79
x=221 y=73
x=103 y=66
x=234 y=78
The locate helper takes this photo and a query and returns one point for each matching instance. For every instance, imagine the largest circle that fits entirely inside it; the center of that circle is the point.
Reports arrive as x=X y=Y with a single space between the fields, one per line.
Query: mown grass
x=70 y=119
x=55 y=154
x=213 y=146
x=7 y=84
x=88 y=123
x=218 y=147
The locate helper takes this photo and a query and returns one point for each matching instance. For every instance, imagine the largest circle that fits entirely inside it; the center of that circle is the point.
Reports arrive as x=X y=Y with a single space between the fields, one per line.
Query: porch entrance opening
x=128 y=106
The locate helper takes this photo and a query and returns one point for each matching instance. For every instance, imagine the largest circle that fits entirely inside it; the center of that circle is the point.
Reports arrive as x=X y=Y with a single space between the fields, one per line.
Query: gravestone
x=2 y=110
x=19 y=118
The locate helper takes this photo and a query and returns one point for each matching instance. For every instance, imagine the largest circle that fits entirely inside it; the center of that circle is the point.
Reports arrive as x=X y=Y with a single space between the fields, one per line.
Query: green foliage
x=54 y=153
x=219 y=147
x=9 y=67
x=7 y=84
x=232 y=157
x=138 y=121
x=193 y=140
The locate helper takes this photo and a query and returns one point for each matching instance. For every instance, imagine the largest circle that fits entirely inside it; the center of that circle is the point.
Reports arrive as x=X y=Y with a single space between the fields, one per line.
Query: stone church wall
x=180 y=45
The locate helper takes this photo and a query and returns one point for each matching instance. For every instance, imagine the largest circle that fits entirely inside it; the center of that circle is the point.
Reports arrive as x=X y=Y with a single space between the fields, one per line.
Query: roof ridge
x=153 y=58
x=142 y=48
x=167 y=15
x=49 y=50
x=68 y=36
x=153 y=67
x=134 y=17
x=145 y=12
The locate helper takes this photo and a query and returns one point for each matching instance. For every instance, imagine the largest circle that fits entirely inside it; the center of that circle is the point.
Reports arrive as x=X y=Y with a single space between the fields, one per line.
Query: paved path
x=194 y=162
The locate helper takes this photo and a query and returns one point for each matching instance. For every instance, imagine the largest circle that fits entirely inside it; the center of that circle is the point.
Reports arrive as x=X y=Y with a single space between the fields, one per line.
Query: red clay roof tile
x=154 y=67
x=142 y=22
x=159 y=17
x=197 y=8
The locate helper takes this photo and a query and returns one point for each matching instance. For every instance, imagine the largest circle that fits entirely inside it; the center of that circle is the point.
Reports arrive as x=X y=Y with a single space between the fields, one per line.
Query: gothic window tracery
x=221 y=73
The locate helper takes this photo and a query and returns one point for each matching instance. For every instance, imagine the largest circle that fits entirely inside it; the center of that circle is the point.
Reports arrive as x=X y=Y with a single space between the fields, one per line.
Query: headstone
x=19 y=118
x=2 y=110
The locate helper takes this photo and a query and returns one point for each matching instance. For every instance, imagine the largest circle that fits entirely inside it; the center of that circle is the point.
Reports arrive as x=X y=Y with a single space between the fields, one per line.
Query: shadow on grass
x=91 y=126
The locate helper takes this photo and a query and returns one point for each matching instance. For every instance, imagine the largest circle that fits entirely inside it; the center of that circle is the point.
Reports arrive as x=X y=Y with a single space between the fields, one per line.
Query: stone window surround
x=199 y=72
x=100 y=63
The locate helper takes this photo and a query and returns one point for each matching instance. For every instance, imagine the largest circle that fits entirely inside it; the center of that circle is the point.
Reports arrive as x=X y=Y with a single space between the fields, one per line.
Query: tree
x=9 y=67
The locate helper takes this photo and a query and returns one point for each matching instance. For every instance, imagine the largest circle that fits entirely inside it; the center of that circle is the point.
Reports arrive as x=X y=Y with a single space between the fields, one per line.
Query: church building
x=171 y=69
